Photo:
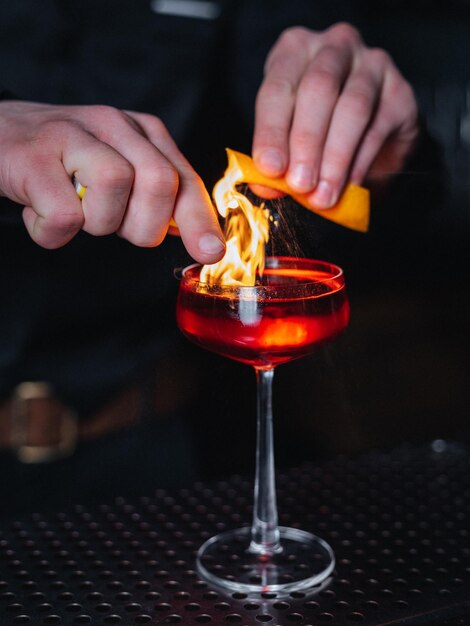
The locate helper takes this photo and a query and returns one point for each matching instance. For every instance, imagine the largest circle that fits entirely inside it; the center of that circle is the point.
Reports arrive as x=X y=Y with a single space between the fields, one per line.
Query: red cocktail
x=297 y=305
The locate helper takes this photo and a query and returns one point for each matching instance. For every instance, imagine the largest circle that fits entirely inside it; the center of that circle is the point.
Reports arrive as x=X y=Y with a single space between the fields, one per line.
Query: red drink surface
x=294 y=310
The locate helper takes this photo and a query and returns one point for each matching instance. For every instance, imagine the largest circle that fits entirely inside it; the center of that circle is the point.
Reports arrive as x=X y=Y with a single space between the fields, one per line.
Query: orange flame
x=246 y=232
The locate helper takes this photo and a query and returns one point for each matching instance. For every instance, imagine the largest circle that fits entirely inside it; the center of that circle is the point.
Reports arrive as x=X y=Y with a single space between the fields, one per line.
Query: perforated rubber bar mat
x=398 y=523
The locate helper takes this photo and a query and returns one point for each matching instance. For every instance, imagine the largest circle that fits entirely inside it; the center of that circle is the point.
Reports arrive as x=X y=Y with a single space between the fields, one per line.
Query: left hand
x=136 y=177
x=330 y=110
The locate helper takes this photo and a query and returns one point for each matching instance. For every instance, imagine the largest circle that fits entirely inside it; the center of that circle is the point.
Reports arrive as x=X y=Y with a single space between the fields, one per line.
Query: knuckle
x=379 y=57
x=118 y=175
x=293 y=36
x=161 y=180
x=104 y=111
x=158 y=125
x=289 y=41
x=50 y=133
x=359 y=103
x=154 y=123
x=343 y=32
x=274 y=88
x=328 y=59
x=65 y=222
x=322 y=82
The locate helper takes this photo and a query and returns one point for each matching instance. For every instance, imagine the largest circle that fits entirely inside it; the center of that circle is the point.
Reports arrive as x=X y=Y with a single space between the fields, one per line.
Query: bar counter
x=398 y=522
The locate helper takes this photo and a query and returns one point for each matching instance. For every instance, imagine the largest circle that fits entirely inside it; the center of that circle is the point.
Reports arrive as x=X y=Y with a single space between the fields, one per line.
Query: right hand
x=331 y=110
x=135 y=175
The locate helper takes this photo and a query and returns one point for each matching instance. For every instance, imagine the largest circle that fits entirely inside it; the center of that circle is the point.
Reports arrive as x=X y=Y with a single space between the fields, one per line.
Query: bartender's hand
x=329 y=111
x=136 y=177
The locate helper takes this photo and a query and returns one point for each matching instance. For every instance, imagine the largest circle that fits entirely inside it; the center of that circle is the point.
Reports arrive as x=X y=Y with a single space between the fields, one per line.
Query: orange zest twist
x=352 y=209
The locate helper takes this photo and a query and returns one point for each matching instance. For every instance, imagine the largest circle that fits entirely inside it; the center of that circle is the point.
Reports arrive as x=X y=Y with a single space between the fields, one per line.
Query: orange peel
x=352 y=209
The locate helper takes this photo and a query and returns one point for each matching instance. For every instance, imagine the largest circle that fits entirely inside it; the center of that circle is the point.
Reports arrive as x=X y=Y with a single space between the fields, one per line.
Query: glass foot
x=304 y=560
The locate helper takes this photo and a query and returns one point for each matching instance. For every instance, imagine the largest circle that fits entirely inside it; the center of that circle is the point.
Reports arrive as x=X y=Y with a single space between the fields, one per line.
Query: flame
x=246 y=232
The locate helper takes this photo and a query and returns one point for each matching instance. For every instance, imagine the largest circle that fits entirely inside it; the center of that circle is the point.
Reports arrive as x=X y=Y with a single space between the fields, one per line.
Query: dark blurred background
x=400 y=371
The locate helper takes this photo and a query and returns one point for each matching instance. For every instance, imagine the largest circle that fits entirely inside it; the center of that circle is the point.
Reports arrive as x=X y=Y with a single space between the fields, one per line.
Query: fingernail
x=272 y=161
x=211 y=244
x=323 y=197
x=301 y=177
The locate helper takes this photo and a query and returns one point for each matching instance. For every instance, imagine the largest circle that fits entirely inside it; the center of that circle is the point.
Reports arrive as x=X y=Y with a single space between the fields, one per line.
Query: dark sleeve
x=6 y=94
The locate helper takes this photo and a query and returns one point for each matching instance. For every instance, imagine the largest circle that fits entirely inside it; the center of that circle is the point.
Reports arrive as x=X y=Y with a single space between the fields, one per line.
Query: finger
x=353 y=113
x=391 y=133
x=108 y=178
x=374 y=139
x=275 y=102
x=317 y=96
x=55 y=214
x=193 y=210
x=150 y=203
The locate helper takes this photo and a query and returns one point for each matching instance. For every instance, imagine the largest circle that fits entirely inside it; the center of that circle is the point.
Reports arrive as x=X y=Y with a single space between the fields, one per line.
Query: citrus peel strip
x=352 y=209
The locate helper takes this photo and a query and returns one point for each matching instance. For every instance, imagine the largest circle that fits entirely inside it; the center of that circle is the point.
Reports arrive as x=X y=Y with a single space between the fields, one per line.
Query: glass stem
x=264 y=530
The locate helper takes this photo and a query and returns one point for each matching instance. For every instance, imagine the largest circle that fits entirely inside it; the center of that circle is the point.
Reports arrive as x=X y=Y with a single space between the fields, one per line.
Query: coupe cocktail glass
x=297 y=305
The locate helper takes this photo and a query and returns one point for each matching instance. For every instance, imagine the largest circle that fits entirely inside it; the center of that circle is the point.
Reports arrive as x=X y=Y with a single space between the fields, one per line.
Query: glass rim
x=336 y=273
